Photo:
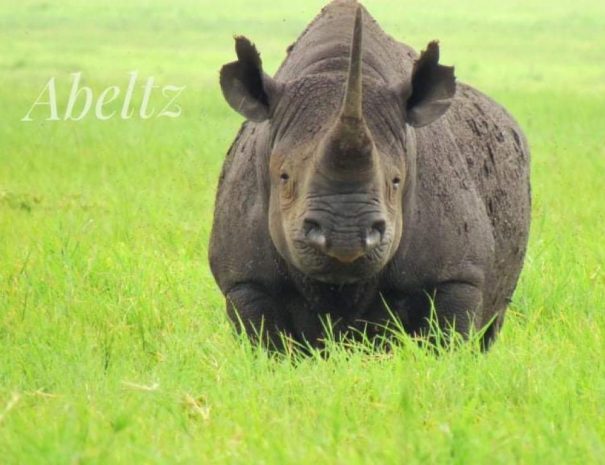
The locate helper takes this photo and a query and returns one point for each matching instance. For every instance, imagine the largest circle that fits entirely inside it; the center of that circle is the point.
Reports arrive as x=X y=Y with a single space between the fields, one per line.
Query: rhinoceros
x=366 y=186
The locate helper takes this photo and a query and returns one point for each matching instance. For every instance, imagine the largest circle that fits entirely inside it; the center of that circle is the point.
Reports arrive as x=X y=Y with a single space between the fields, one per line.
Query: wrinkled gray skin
x=325 y=210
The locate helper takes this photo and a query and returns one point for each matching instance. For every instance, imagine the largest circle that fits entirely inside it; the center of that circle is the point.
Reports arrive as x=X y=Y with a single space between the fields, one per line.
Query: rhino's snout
x=345 y=244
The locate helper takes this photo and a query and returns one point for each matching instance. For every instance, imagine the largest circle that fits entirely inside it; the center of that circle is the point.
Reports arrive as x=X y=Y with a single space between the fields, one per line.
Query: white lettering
x=128 y=97
x=52 y=102
x=73 y=96
x=99 y=106
x=176 y=113
x=148 y=88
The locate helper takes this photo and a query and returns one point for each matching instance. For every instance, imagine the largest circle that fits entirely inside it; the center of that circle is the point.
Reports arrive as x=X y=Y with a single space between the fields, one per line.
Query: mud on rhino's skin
x=366 y=178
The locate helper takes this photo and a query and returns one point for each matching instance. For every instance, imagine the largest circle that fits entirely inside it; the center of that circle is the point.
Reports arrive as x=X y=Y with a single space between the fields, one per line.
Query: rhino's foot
x=435 y=314
x=256 y=313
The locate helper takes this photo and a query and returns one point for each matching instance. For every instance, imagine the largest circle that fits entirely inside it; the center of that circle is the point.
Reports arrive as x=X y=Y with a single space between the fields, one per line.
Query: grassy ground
x=114 y=347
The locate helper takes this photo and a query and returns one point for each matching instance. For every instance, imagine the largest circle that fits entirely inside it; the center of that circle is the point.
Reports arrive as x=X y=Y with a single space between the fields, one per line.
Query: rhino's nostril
x=309 y=225
x=379 y=226
x=317 y=238
x=375 y=234
x=314 y=234
x=372 y=239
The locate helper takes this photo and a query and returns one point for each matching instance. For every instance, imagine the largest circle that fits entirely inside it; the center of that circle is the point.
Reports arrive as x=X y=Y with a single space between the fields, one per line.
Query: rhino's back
x=472 y=207
x=240 y=245
x=497 y=159
x=324 y=47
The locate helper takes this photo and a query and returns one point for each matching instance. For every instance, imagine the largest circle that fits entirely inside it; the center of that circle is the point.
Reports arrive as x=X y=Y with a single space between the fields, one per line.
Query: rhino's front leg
x=456 y=305
x=253 y=310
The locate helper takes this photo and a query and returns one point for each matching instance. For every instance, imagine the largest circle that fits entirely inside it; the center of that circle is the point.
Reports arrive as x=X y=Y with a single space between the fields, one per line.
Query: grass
x=114 y=346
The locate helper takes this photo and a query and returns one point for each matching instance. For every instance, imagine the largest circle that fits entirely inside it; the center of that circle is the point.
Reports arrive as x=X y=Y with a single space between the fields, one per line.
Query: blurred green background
x=114 y=347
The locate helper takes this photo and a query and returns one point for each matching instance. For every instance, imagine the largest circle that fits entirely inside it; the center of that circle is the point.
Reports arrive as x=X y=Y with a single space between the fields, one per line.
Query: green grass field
x=114 y=345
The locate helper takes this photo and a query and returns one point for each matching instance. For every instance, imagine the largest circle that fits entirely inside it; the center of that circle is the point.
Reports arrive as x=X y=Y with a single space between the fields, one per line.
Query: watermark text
x=153 y=101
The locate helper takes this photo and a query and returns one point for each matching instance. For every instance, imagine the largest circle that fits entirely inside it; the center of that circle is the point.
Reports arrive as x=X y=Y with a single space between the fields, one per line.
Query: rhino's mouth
x=330 y=270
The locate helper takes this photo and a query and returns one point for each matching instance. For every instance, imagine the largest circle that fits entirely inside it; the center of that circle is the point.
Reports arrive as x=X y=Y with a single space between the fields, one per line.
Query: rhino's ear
x=246 y=88
x=432 y=90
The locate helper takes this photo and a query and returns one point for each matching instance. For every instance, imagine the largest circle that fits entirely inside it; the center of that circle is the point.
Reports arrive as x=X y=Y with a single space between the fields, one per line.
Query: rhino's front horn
x=351 y=105
x=347 y=149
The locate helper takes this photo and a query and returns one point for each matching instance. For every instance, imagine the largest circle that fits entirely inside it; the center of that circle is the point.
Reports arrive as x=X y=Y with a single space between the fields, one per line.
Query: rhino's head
x=339 y=165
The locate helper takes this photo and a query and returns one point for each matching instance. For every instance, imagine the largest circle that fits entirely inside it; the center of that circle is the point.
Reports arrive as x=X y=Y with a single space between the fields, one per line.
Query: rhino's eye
x=284 y=177
x=396 y=181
